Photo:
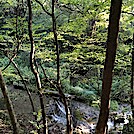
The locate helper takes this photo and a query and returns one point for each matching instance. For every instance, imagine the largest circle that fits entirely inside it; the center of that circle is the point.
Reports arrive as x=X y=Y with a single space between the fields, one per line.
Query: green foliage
x=85 y=54
x=83 y=93
x=81 y=43
x=36 y=126
x=26 y=72
x=78 y=115
x=3 y=62
x=121 y=88
x=96 y=104
x=114 y=105
x=82 y=27
x=10 y=75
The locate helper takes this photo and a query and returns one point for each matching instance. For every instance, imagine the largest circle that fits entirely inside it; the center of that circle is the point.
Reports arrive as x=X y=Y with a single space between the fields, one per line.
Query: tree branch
x=128 y=13
x=43 y=8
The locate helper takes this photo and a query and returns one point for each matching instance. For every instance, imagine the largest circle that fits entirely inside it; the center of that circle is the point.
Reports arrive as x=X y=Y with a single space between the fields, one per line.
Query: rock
x=119 y=120
x=18 y=86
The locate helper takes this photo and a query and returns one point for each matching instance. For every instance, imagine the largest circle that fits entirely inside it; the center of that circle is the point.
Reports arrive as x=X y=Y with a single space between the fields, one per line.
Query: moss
x=78 y=115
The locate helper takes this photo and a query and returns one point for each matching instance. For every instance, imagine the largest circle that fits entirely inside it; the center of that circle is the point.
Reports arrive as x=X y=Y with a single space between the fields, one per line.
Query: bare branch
x=43 y=7
x=17 y=38
x=24 y=83
x=10 y=60
x=51 y=82
x=128 y=13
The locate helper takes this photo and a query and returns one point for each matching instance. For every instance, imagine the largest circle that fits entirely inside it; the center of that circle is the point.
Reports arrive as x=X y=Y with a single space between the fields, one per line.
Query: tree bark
x=9 y=105
x=132 y=80
x=33 y=68
x=113 y=28
x=68 y=114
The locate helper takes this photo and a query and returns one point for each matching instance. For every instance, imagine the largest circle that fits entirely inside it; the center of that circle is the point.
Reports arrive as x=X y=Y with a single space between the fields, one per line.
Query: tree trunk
x=132 y=80
x=33 y=68
x=115 y=11
x=9 y=105
x=68 y=114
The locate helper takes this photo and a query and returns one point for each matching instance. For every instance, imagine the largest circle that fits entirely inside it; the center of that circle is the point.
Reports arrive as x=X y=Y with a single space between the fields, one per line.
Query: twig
x=51 y=82
x=128 y=13
x=9 y=61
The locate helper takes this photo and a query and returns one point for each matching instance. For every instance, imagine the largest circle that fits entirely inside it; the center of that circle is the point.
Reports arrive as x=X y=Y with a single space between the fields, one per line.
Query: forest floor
x=4 y=128
x=85 y=114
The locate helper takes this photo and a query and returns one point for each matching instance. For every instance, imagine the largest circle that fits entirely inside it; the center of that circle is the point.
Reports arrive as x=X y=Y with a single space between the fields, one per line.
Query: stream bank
x=85 y=116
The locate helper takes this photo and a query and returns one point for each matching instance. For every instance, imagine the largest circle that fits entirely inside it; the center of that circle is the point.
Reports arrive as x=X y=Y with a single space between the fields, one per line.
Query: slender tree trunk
x=68 y=116
x=9 y=105
x=113 y=29
x=132 y=80
x=27 y=90
x=33 y=68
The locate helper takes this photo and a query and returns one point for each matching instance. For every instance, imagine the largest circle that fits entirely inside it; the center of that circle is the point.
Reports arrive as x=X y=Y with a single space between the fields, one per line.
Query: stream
x=84 y=116
x=87 y=117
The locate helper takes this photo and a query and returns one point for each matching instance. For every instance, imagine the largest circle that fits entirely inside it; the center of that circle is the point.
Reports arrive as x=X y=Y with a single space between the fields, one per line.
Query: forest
x=66 y=67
